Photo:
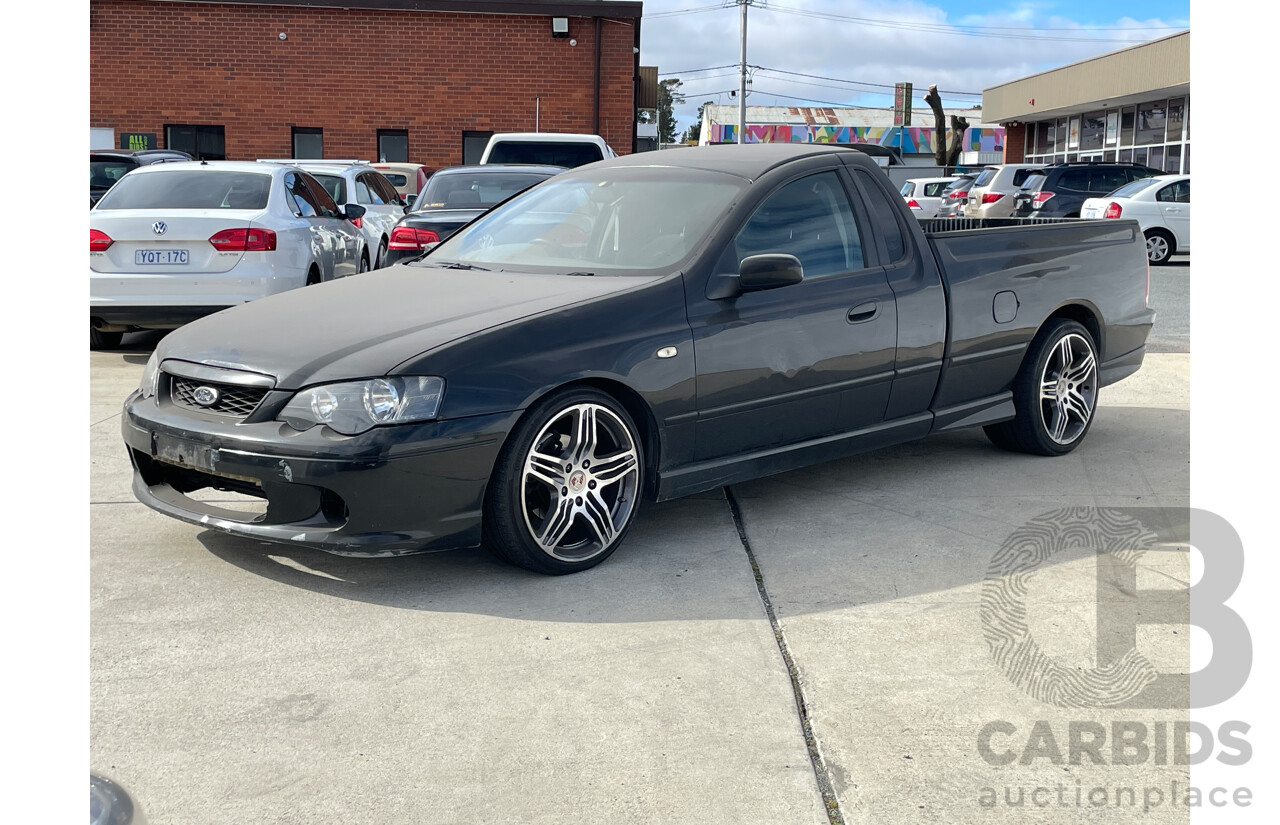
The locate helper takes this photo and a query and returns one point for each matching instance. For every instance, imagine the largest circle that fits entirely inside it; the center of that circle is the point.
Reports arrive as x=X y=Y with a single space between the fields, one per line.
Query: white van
x=546 y=149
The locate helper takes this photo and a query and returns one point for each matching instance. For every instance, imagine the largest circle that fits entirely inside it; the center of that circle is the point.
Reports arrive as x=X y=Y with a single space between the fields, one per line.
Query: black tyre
x=566 y=487
x=104 y=340
x=1055 y=393
x=382 y=255
x=313 y=276
x=1160 y=246
x=364 y=262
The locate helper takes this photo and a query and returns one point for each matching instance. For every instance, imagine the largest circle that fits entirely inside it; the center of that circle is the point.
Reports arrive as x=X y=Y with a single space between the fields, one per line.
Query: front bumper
x=390 y=491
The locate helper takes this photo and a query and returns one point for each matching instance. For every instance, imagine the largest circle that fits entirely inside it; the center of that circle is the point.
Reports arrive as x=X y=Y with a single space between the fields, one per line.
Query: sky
x=963 y=47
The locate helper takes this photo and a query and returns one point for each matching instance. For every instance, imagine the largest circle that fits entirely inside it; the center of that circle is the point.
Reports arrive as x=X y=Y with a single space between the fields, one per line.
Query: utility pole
x=742 y=77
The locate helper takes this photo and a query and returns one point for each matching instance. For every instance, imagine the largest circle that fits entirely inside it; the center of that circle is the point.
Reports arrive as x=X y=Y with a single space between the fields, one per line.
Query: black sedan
x=456 y=196
x=644 y=327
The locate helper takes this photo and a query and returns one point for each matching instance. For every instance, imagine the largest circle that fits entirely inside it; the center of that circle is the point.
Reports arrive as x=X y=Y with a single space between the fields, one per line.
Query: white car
x=1162 y=208
x=173 y=242
x=546 y=149
x=993 y=191
x=924 y=195
x=350 y=182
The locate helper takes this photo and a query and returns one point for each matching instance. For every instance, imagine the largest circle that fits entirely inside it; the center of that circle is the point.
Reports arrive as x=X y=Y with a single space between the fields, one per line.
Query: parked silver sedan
x=174 y=242
x=353 y=182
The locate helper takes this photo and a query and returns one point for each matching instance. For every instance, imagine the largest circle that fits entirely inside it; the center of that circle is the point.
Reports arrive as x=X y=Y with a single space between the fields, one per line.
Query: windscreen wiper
x=457 y=265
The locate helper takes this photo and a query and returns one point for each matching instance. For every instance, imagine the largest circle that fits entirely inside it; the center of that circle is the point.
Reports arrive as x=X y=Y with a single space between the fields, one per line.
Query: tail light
x=1113 y=210
x=912 y=204
x=99 y=240
x=248 y=239
x=991 y=197
x=960 y=195
x=357 y=222
x=1041 y=197
x=411 y=237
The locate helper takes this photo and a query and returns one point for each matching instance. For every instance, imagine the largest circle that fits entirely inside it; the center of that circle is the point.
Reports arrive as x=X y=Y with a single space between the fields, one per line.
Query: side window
x=323 y=203
x=1020 y=175
x=809 y=218
x=1106 y=180
x=882 y=215
x=300 y=198
x=1075 y=179
x=1179 y=192
x=362 y=192
x=384 y=188
x=907 y=189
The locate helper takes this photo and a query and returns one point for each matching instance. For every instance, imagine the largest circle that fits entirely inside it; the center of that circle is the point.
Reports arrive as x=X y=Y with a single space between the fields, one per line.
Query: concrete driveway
x=809 y=648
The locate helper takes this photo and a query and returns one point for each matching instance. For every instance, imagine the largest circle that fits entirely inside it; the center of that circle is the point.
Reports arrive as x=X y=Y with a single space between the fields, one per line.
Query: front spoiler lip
x=411 y=490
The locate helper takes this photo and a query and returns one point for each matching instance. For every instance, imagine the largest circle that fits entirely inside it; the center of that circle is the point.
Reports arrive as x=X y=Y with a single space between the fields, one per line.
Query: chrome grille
x=233 y=400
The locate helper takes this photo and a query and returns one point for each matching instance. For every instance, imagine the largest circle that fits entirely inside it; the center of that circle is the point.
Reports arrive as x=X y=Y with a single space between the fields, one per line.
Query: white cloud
x=925 y=47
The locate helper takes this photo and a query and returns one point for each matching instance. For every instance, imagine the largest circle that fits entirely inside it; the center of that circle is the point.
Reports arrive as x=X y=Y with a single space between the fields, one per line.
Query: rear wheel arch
x=1084 y=315
x=313 y=275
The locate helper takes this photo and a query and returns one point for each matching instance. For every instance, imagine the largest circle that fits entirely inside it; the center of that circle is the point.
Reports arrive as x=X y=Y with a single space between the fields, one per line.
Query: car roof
x=750 y=161
x=332 y=167
x=492 y=168
x=931 y=180
x=214 y=166
x=547 y=137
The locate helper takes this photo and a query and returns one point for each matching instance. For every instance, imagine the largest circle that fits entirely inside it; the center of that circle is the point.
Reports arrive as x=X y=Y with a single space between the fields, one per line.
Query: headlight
x=150 y=376
x=356 y=406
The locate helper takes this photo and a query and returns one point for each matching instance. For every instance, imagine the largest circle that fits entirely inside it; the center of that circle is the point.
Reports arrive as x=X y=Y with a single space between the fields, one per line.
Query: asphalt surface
x=813 y=647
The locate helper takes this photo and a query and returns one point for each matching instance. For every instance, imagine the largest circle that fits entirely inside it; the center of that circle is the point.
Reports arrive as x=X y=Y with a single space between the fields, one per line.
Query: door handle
x=863 y=312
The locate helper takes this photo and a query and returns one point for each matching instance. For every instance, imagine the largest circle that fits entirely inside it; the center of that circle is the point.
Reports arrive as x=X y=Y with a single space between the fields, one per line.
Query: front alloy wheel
x=568 y=485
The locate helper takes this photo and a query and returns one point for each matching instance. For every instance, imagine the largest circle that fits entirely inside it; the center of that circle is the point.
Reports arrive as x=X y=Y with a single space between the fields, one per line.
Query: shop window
x=1092 y=128
x=1151 y=123
x=1186 y=159
x=1155 y=157
x=1127 y=121
x=1173 y=159
x=201 y=142
x=393 y=145
x=1126 y=156
x=1060 y=136
x=1140 y=156
x=1173 y=123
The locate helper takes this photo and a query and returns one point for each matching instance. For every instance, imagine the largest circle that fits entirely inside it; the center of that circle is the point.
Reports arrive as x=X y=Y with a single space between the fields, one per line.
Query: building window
x=308 y=143
x=200 y=142
x=1060 y=136
x=473 y=144
x=1173 y=123
x=1173 y=159
x=1126 y=126
x=1151 y=123
x=1092 y=127
x=393 y=145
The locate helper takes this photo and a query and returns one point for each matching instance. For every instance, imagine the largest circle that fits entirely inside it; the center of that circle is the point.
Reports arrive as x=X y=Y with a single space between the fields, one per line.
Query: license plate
x=161 y=257
x=183 y=453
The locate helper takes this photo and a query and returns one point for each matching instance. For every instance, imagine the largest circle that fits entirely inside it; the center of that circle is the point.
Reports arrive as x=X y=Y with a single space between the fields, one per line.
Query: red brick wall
x=1014 y=142
x=351 y=72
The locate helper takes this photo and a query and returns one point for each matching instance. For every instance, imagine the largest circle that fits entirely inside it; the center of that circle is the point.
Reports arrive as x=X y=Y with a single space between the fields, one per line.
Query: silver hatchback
x=992 y=194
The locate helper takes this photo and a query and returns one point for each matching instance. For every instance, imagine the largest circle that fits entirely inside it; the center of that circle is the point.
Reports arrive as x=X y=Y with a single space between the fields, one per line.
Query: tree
x=947 y=150
x=669 y=97
x=694 y=132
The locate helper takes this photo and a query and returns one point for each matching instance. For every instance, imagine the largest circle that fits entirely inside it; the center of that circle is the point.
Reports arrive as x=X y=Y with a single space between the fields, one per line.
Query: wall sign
x=133 y=141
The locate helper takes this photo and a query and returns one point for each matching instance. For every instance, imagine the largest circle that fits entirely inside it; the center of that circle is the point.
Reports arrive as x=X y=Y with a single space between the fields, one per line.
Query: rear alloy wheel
x=104 y=340
x=382 y=255
x=364 y=263
x=1159 y=247
x=567 y=485
x=1055 y=393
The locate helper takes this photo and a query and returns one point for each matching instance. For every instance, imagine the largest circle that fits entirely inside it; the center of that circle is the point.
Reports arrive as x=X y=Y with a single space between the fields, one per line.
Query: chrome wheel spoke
x=584 y=434
x=598 y=516
x=1049 y=390
x=557 y=523
x=1058 y=429
x=608 y=470
x=1063 y=353
x=1075 y=403
x=545 y=468
x=1082 y=369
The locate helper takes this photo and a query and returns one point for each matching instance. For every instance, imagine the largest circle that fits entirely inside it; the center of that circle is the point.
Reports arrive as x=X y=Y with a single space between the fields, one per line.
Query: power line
x=858 y=82
x=695 y=71
x=949 y=26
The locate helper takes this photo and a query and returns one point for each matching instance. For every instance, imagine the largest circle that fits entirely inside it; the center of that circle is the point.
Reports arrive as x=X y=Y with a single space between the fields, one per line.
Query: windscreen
x=335 y=185
x=985 y=176
x=396 y=178
x=609 y=221
x=104 y=173
x=546 y=154
x=189 y=189
x=473 y=190
x=1131 y=189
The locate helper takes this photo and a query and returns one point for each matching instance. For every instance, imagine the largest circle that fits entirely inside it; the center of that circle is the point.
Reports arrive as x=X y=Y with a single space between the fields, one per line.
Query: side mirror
x=353 y=210
x=769 y=272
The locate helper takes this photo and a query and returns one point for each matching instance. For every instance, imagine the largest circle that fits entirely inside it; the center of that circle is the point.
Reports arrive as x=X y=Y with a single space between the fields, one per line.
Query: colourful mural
x=912 y=139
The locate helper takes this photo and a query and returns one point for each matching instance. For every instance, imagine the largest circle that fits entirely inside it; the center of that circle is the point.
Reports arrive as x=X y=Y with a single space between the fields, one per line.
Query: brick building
x=425 y=81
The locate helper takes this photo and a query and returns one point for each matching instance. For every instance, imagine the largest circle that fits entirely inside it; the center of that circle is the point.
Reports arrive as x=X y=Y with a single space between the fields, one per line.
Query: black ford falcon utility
x=645 y=327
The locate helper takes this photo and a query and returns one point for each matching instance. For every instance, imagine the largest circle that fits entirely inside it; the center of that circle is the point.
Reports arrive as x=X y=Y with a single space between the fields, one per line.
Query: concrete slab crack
x=829 y=801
